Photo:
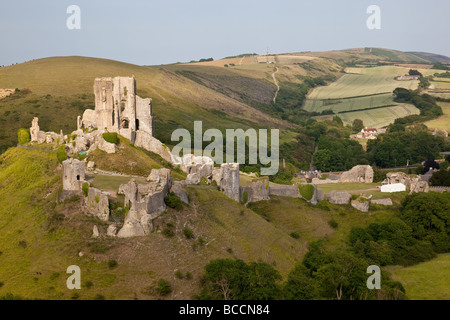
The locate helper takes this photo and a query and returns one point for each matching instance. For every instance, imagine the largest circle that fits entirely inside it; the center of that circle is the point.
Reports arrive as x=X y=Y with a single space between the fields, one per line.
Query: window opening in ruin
x=125 y=124
x=78 y=177
x=137 y=124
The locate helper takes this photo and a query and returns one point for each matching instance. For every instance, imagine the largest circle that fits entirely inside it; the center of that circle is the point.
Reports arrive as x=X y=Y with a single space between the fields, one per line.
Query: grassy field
x=312 y=222
x=360 y=82
x=426 y=281
x=110 y=183
x=443 y=122
x=349 y=104
x=391 y=71
x=377 y=118
x=437 y=85
x=362 y=188
x=365 y=88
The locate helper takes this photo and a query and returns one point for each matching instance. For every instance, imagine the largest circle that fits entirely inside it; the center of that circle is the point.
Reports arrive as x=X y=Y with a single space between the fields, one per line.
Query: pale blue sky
x=160 y=32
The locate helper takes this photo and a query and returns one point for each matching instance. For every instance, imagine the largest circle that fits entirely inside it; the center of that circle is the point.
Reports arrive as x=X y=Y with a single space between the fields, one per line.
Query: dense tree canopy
x=440 y=178
x=227 y=279
x=428 y=215
x=338 y=154
x=395 y=148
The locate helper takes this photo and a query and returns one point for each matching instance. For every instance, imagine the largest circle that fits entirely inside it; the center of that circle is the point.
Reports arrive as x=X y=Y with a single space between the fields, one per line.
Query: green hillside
x=41 y=237
x=62 y=88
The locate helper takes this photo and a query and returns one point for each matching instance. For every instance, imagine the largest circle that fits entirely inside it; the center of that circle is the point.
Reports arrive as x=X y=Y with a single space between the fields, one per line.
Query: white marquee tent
x=395 y=187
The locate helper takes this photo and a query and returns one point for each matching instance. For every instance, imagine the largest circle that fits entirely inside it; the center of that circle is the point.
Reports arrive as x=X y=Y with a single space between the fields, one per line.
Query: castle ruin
x=119 y=109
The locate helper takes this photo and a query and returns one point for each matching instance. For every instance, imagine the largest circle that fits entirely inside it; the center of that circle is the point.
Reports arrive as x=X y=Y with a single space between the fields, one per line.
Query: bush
x=23 y=136
x=295 y=235
x=85 y=189
x=54 y=275
x=168 y=233
x=88 y=284
x=307 y=191
x=75 y=296
x=333 y=224
x=23 y=244
x=173 y=201
x=164 y=287
x=111 y=137
x=61 y=154
x=179 y=274
x=188 y=275
x=188 y=233
x=99 y=297
x=112 y=264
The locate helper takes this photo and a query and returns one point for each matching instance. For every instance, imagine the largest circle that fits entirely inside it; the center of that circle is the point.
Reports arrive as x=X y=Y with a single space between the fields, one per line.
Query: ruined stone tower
x=73 y=175
x=119 y=109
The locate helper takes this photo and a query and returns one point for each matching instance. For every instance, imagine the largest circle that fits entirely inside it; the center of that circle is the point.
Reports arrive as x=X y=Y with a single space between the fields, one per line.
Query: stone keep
x=119 y=109
x=73 y=175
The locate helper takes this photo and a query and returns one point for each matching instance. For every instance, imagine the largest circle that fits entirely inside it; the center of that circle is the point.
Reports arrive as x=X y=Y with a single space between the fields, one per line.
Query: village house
x=370 y=133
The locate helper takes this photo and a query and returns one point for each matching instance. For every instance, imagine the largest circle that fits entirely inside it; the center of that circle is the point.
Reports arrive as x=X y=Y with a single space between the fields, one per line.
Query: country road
x=276 y=83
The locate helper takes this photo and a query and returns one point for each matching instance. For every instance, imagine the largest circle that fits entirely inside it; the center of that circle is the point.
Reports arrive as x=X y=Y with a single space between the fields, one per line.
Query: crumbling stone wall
x=338 y=197
x=361 y=206
x=257 y=191
x=36 y=135
x=97 y=203
x=285 y=190
x=412 y=182
x=318 y=195
x=148 y=142
x=228 y=180
x=360 y=173
x=145 y=202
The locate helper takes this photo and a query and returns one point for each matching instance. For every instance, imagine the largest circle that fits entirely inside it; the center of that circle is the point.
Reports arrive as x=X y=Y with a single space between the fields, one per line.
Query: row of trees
x=425 y=103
